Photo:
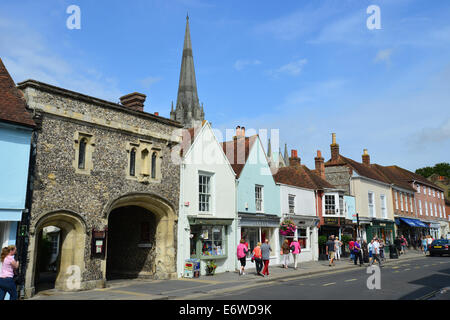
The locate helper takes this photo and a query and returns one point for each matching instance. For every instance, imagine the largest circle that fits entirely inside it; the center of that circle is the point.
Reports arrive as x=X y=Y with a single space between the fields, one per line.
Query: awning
x=414 y=223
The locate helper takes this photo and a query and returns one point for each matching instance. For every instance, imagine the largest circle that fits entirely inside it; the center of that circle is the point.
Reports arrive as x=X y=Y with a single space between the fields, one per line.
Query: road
x=409 y=280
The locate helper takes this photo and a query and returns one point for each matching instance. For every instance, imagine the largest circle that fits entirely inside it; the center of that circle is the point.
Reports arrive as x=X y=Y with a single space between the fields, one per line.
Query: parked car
x=439 y=247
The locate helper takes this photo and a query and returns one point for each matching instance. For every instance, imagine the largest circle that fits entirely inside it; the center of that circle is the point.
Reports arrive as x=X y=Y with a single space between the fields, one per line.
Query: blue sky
x=307 y=68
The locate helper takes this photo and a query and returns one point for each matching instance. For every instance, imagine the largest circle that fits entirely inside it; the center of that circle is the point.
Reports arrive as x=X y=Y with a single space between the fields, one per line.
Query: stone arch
x=166 y=219
x=73 y=245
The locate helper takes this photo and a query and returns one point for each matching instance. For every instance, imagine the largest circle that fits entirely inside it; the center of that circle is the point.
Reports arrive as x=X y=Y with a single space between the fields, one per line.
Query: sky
x=306 y=68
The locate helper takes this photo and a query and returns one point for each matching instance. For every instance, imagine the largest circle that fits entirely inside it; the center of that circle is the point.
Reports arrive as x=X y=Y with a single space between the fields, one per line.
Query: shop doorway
x=131 y=243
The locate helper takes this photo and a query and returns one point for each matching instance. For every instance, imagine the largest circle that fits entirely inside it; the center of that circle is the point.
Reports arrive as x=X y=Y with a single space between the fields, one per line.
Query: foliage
x=211 y=266
x=287 y=227
x=322 y=240
x=346 y=239
x=441 y=169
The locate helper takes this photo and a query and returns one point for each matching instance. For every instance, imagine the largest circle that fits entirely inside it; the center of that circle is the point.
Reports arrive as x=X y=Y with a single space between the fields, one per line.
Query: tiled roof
x=12 y=103
x=394 y=177
x=409 y=176
x=365 y=170
x=235 y=156
x=301 y=176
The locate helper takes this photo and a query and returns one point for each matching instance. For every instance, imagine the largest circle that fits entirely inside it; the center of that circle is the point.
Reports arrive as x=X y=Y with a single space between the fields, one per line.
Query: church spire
x=187 y=98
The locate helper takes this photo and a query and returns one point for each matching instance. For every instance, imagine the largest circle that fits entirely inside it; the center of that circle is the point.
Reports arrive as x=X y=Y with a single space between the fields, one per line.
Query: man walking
x=331 y=249
x=265 y=252
x=376 y=252
x=357 y=252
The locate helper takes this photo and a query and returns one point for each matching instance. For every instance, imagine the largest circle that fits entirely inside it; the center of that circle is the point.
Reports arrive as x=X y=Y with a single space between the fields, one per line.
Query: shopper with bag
x=295 y=249
x=241 y=255
x=285 y=250
x=257 y=256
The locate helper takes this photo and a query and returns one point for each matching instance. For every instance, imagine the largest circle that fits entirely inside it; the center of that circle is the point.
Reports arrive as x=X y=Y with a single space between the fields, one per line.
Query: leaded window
x=133 y=162
x=204 y=193
x=82 y=154
x=330 y=205
x=259 y=198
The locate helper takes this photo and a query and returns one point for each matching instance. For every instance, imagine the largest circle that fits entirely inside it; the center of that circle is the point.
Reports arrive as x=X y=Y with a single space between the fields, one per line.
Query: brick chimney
x=334 y=148
x=365 y=157
x=294 y=160
x=134 y=101
x=320 y=165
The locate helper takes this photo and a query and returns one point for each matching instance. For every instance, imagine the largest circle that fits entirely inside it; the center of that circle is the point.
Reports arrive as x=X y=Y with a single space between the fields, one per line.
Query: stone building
x=105 y=177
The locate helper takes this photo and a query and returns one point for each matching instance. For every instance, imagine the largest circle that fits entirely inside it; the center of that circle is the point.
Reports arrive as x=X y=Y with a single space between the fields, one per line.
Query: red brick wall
x=430 y=200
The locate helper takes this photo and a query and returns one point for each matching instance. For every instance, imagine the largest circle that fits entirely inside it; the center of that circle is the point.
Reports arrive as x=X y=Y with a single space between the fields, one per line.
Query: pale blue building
x=16 y=127
x=258 y=196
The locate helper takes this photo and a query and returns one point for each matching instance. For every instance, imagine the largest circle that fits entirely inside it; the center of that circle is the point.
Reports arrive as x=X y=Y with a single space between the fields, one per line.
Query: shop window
x=291 y=203
x=302 y=238
x=208 y=241
x=330 y=205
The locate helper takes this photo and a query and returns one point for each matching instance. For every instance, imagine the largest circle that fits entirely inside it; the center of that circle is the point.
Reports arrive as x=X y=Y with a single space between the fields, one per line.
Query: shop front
x=307 y=234
x=256 y=228
x=412 y=229
x=210 y=240
x=381 y=229
x=435 y=230
x=444 y=229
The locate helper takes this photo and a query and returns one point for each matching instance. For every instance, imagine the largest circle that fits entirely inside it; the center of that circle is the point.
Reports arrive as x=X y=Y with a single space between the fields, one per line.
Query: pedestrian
x=265 y=252
x=404 y=244
x=285 y=250
x=375 y=252
x=351 y=243
x=338 y=248
x=241 y=255
x=370 y=246
x=429 y=241
x=330 y=250
x=9 y=264
x=382 y=250
x=296 y=249
x=365 y=251
x=357 y=252
x=257 y=256
x=398 y=245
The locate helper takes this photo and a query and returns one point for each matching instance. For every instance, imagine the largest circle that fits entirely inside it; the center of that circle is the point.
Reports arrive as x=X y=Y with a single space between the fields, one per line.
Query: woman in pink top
x=241 y=255
x=7 y=283
x=295 y=249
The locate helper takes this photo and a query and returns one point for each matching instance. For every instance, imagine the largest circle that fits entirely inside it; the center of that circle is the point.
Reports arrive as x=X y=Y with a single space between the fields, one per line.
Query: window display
x=208 y=241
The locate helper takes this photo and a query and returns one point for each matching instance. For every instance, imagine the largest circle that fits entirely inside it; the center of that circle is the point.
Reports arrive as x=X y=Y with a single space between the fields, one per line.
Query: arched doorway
x=141 y=237
x=131 y=243
x=69 y=260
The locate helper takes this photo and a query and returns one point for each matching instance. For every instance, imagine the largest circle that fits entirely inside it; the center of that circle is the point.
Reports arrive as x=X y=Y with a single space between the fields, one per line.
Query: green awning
x=210 y=221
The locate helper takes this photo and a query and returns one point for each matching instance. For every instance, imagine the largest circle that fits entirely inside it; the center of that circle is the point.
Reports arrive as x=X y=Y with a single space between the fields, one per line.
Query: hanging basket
x=287 y=228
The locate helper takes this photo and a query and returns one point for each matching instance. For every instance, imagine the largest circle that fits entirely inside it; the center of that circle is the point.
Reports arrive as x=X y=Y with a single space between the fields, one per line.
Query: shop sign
x=331 y=221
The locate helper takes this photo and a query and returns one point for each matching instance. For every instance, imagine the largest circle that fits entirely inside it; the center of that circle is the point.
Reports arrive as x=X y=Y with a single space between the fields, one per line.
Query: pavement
x=207 y=286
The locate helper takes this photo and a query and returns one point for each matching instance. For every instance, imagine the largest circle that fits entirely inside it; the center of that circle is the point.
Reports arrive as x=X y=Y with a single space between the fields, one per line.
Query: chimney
x=134 y=101
x=320 y=165
x=334 y=148
x=156 y=113
x=294 y=160
x=365 y=157
x=243 y=132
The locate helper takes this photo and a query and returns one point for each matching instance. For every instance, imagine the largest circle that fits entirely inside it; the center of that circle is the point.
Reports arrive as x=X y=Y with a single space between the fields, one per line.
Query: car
x=439 y=247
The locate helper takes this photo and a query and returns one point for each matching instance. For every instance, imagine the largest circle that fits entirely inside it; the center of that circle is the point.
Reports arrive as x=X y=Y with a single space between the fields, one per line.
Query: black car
x=439 y=247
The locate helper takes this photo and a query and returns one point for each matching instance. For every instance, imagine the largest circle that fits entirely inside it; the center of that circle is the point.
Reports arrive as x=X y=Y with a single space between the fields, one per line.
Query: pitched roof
x=394 y=176
x=301 y=176
x=238 y=152
x=365 y=170
x=409 y=176
x=12 y=103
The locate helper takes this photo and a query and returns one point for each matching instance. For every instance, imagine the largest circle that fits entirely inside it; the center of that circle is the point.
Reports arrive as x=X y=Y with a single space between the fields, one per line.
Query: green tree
x=442 y=169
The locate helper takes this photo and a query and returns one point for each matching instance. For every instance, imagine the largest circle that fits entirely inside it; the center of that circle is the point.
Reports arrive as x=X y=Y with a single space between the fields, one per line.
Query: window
x=330 y=205
x=341 y=204
x=424 y=190
x=401 y=200
x=420 y=207
x=440 y=212
x=259 y=198
x=434 y=193
x=411 y=203
x=54 y=244
x=383 y=206
x=204 y=193
x=82 y=154
x=426 y=208
x=154 y=165
x=302 y=238
x=442 y=195
x=207 y=240
x=418 y=188
x=291 y=203
x=133 y=162
x=429 y=191
x=406 y=202
x=396 y=200
x=435 y=210
x=438 y=194
x=371 y=205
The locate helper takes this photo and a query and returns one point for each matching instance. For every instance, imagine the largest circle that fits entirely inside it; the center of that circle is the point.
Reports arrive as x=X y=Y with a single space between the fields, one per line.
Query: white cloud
x=293 y=68
x=241 y=64
x=384 y=56
x=149 y=81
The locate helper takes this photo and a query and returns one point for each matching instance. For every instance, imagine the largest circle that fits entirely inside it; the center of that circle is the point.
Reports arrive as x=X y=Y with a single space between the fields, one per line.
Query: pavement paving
x=207 y=286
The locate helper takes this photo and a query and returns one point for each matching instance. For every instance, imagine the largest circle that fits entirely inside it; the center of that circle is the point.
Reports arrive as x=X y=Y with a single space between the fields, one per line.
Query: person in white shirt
x=376 y=252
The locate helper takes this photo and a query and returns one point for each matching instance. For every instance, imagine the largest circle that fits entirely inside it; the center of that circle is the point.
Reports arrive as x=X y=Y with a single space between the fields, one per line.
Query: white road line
x=407 y=269
x=350 y=280
x=328 y=284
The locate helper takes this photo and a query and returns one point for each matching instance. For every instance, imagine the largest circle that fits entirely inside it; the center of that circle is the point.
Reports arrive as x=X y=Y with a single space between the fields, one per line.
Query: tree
x=441 y=169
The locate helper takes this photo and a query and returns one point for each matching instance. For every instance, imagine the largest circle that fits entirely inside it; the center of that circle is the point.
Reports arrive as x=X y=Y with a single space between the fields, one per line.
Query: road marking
x=396 y=271
x=408 y=269
x=395 y=267
x=350 y=280
x=130 y=293
x=198 y=280
x=417 y=268
x=328 y=284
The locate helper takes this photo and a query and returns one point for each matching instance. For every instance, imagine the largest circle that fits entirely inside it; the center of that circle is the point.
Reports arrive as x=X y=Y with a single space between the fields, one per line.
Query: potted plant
x=211 y=267
x=287 y=227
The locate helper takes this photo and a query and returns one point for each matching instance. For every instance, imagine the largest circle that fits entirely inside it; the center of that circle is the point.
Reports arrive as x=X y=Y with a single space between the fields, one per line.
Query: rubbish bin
x=393 y=252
